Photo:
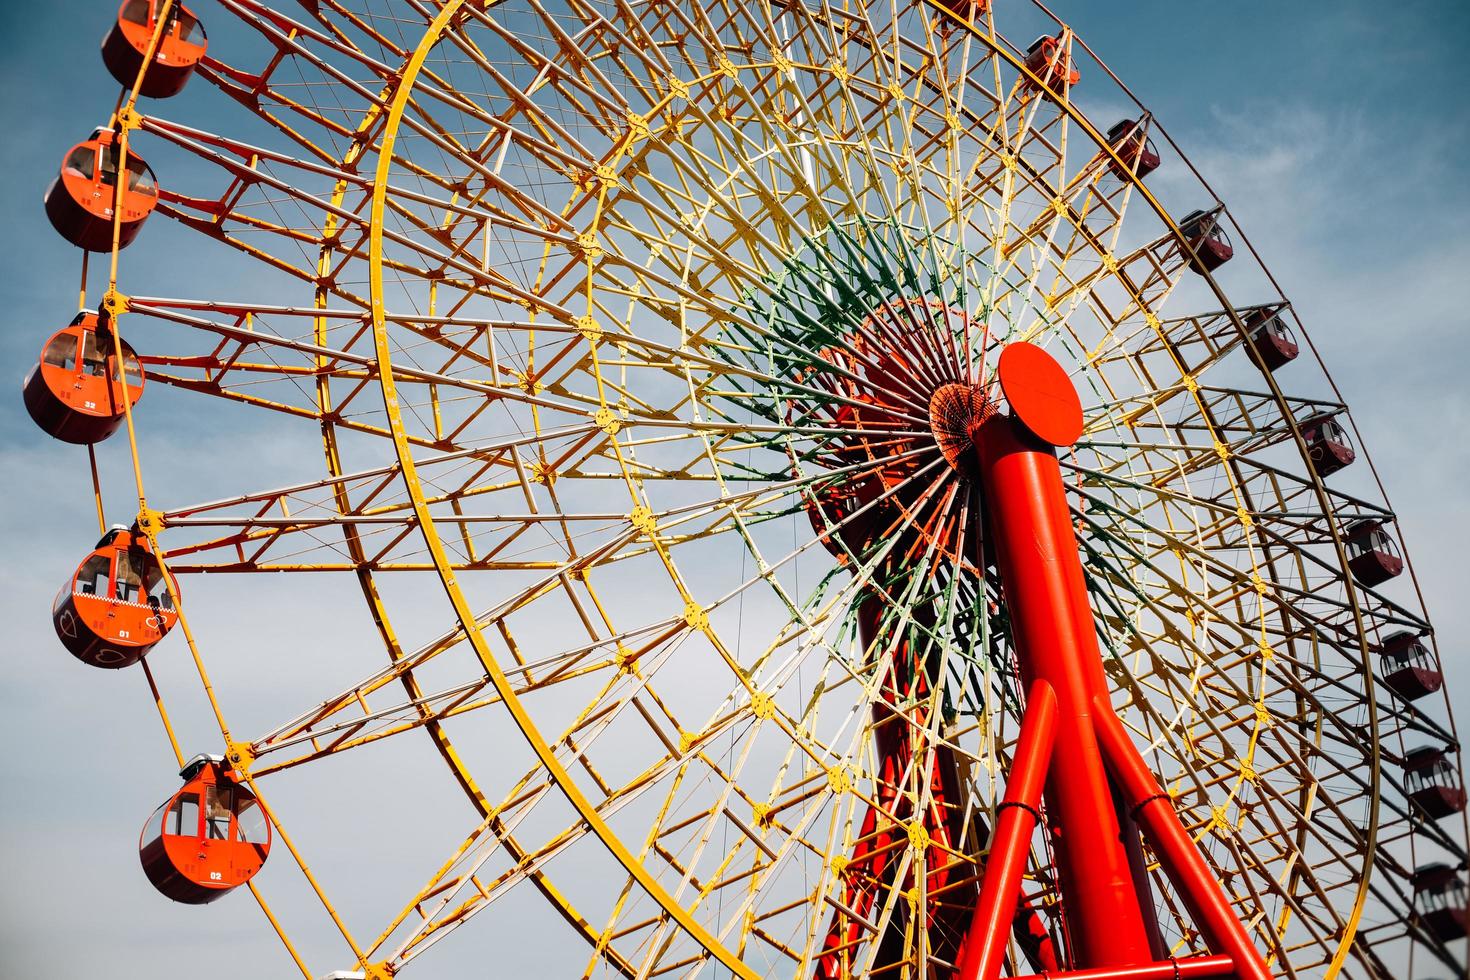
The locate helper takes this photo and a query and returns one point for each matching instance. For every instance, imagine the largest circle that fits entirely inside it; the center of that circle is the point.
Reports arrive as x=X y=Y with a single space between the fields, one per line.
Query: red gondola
x=180 y=49
x=1432 y=783
x=1207 y=240
x=207 y=839
x=1440 y=900
x=1328 y=446
x=1373 y=558
x=79 y=201
x=1049 y=60
x=1407 y=667
x=74 y=392
x=1132 y=145
x=117 y=605
x=967 y=9
x=1269 y=341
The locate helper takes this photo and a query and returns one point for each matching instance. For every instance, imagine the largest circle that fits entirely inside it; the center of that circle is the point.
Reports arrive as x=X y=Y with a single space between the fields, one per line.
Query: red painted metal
x=1049 y=58
x=1177 y=854
x=179 y=50
x=1207 y=240
x=1010 y=845
x=876 y=853
x=871 y=871
x=116 y=606
x=208 y=838
x=1192 y=968
x=1407 y=667
x=1094 y=762
x=81 y=199
x=1040 y=393
x=1072 y=751
x=74 y=392
x=1129 y=140
x=1030 y=528
x=875 y=387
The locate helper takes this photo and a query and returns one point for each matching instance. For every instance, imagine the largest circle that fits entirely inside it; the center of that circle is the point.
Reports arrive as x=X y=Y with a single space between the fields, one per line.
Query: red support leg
x=869 y=873
x=1034 y=939
x=874 y=861
x=1010 y=845
x=1073 y=751
x=1176 y=851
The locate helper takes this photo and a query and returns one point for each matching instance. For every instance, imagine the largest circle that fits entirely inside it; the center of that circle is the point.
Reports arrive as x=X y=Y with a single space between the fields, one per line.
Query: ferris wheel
x=862 y=535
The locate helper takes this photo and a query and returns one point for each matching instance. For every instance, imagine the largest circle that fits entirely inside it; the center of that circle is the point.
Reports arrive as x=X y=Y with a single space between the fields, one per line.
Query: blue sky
x=1338 y=133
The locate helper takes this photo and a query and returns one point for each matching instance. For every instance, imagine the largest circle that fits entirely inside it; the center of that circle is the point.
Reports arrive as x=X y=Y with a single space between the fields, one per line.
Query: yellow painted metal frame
x=127 y=120
x=467 y=619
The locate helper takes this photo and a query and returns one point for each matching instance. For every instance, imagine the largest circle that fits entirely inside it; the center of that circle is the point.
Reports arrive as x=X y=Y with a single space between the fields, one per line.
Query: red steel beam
x=1174 y=848
x=1192 y=968
x=1010 y=845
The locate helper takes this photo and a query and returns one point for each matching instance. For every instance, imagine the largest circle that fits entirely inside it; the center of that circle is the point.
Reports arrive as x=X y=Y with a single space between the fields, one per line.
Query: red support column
x=1176 y=851
x=1010 y=845
x=874 y=859
x=1030 y=527
x=1073 y=751
x=1053 y=632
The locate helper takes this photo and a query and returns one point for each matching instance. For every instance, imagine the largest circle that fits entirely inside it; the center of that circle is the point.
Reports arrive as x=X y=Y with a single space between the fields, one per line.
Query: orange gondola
x=117 y=606
x=206 y=840
x=1049 y=59
x=179 y=50
x=74 y=393
x=80 y=200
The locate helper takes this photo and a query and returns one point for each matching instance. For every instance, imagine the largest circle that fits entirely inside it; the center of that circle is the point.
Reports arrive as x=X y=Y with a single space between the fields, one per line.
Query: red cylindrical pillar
x=1010 y=845
x=1030 y=528
x=1175 y=849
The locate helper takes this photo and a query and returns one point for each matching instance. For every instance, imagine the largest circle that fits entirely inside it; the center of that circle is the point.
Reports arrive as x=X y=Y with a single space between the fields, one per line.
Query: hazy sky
x=1336 y=132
